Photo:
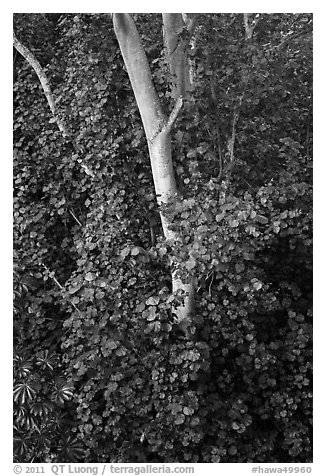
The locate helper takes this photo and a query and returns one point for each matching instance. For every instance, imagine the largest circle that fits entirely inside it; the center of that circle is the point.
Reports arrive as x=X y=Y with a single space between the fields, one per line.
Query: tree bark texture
x=157 y=129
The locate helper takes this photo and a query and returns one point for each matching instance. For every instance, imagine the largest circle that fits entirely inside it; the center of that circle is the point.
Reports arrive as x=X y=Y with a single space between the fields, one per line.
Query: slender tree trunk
x=177 y=44
x=249 y=28
x=157 y=129
x=34 y=63
x=31 y=59
x=250 y=24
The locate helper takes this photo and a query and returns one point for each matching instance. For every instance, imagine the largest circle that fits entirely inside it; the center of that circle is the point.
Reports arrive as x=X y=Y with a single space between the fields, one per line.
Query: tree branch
x=289 y=37
x=220 y=154
x=76 y=219
x=34 y=63
x=231 y=140
x=219 y=140
x=250 y=28
x=177 y=45
x=52 y=276
x=174 y=114
x=190 y=22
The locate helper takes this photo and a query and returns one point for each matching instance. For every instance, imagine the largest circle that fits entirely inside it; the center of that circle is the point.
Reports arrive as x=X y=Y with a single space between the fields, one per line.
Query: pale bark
x=139 y=74
x=250 y=24
x=192 y=64
x=177 y=47
x=249 y=27
x=34 y=63
x=31 y=59
x=231 y=139
x=157 y=129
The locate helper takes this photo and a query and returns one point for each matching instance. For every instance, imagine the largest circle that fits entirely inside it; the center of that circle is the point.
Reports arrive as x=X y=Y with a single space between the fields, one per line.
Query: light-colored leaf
x=179 y=420
x=90 y=276
x=153 y=301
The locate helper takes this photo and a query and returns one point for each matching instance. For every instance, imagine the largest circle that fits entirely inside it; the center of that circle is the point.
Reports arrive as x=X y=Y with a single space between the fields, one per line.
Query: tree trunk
x=165 y=187
x=177 y=44
x=157 y=129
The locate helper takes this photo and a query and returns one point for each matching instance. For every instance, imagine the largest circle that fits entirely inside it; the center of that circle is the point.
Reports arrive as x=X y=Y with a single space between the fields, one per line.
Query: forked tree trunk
x=157 y=129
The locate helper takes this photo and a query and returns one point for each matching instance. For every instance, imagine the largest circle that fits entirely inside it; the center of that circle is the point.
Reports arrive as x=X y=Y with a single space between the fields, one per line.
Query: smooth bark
x=177 y=44
x=157 y=129
x=34 y=63
x=139 y=74
x=249 y=27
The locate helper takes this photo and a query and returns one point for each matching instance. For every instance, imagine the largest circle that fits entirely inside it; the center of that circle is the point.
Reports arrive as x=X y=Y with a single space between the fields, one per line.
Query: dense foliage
x=101 y=371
